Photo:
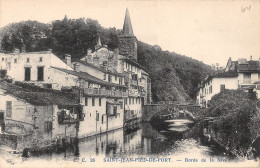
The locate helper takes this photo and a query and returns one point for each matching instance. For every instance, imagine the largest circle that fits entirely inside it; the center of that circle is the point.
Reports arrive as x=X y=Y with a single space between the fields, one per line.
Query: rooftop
x=228 y=74
x=249 y=66
x=130 y=61
x=100 y=69
x=38 y=96
x=89 y=77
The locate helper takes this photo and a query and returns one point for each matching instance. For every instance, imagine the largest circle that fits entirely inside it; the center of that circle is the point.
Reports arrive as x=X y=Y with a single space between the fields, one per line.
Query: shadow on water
x=146 y=141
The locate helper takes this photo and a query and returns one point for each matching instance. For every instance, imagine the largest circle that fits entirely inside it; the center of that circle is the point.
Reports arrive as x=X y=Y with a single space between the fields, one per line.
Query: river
x=193 y=143
x=145 y=141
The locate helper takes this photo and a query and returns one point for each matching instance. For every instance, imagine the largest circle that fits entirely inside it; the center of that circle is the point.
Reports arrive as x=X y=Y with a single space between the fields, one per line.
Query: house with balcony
x=37 y=117
x=102 y=103
x=120 y=67
x=241 y=74
x=110 y=86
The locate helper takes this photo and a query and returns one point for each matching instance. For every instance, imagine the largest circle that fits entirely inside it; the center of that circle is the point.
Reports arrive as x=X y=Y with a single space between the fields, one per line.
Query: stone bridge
x=150 y=110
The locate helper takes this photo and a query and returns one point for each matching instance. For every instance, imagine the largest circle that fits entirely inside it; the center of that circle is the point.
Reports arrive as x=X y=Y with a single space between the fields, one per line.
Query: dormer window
x=40 y=59
x=27 y=60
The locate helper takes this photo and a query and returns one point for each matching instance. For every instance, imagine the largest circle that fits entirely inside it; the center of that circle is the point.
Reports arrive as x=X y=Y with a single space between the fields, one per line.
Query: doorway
x=27 y=73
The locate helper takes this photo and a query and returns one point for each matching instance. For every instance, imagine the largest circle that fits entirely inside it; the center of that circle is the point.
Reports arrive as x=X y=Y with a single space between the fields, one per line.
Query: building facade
x=110 y=88
x=240 y=74
x=38 y=117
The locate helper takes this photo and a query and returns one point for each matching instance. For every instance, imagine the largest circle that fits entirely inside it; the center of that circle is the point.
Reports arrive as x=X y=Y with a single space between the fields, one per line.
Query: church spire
x=99 y=45
x=127 y=29
x=99 y=42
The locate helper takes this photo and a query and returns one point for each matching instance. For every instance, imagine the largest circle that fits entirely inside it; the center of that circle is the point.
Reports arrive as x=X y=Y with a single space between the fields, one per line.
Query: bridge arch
x=152 y=109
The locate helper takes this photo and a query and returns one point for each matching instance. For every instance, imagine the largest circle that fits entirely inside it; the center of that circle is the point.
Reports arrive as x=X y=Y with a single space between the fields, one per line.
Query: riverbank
x=234 y=122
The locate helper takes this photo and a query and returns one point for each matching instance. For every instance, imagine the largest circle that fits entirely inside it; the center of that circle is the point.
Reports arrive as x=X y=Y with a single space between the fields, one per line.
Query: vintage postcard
x=153 y=83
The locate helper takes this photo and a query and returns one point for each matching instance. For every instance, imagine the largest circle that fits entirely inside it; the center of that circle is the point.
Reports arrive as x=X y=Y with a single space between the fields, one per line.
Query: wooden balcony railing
x=104 y=92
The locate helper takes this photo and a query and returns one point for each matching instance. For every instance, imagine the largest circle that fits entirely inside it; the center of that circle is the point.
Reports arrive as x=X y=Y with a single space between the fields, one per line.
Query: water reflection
x=146 y=142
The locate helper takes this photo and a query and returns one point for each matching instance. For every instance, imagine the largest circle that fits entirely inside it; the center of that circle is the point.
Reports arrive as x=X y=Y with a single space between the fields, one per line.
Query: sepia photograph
x=149 y=83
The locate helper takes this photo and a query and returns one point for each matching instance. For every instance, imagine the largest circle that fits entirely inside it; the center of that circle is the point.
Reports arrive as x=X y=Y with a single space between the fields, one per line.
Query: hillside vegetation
x=174 y=77
x=236 y=118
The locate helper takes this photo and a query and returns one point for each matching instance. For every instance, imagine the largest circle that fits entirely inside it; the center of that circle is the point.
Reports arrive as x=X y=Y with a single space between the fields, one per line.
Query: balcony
x=63 y=118
x=134 y=93
x=104 y=92
x=134 y=82
x=249 y=83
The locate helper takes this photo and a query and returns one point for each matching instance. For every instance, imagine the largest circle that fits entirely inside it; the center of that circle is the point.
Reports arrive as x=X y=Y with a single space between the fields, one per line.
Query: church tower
x=127 y=41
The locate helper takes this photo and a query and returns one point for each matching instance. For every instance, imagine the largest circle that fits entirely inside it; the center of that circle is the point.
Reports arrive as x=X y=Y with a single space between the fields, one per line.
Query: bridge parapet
x=150 y=110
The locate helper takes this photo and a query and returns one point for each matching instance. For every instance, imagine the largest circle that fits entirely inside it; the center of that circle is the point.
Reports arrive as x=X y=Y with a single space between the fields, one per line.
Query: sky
x=210 y=31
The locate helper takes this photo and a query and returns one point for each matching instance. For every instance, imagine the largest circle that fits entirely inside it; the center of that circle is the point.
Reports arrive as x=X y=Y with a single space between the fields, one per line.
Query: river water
x=181 y=146
x=145 y=141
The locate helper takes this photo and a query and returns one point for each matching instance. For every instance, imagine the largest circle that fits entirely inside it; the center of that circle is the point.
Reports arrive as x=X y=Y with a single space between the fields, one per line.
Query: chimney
x=89 y=51
x=88 y=58
x=23 y=49
x=16 y=51
x=96 y=61
x=76 y=67
x=68 y=59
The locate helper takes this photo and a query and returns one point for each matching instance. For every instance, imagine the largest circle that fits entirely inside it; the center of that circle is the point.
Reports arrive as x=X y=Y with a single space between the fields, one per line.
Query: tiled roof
x=132 y=62
x=89 y=77
x=228 y=74
x=95 y=67
x=38 y=96
x=250 y=66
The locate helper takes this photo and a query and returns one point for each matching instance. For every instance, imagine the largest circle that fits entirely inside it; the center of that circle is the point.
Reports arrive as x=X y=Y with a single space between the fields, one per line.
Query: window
x=3 y=59
x=129 y=100
x=97 y=116
x=105 y=76
x=121 y=105
x=99 y=101
x=40 y=73
x=247 y=78
x=27 y=60
x=115 y=78
x=27 y=74
x=15 y=60
x=93 y=101
x=102 y=119
x=136 y=101
x=86 y=101
x=8 y=109
x=222 y=88
x=115 y=109
x=125 y=100
x=48 y=126
x=40 y=59
x=109 y=78
x=133 y=100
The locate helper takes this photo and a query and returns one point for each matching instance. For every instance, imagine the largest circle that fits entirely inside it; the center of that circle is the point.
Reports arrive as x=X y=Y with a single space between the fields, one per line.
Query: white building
x=240 y=74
